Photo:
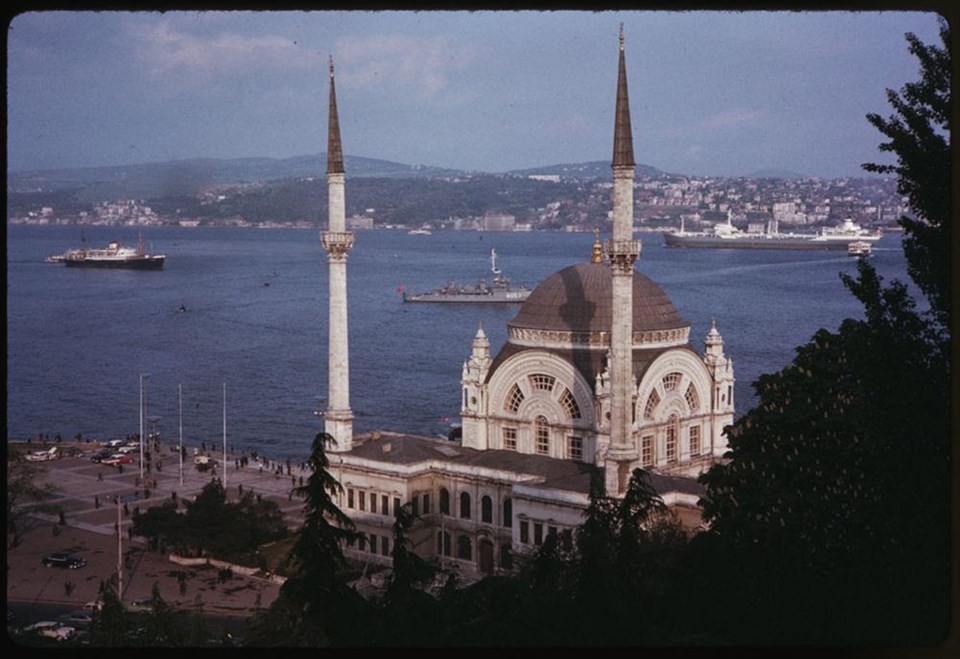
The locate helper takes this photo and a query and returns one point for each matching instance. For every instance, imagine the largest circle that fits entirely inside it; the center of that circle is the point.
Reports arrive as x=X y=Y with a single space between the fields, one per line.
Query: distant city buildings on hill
x=561 y=204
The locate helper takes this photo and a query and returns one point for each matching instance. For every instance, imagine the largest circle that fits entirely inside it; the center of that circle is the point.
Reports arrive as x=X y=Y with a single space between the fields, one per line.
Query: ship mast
x=493 y=262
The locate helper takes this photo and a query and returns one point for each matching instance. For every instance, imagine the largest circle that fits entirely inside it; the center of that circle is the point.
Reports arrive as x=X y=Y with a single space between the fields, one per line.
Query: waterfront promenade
x=85 y=492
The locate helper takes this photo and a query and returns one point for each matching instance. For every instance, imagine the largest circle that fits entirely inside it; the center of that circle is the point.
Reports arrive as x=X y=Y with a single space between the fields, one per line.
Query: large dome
x=579 y=299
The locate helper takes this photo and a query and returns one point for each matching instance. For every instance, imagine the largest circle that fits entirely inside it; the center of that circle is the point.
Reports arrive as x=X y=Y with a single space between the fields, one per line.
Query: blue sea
x=255 y=325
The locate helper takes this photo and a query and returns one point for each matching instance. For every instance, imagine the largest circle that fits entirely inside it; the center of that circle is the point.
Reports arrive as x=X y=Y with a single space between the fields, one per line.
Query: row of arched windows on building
x=465 y=509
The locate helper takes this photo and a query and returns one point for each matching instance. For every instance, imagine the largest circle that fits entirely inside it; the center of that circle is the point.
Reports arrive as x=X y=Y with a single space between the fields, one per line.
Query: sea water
x=232 y=334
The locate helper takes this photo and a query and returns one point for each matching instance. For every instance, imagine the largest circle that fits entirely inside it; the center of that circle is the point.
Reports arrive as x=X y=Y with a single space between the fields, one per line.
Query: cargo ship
x=500 y=290
x=113 y=256
x=727 y=236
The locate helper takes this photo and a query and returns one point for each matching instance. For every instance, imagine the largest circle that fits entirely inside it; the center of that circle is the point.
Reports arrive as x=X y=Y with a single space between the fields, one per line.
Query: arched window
x=569 y=404
x=693 y=400
x=514 y=398
x=464 y=548
x=671 y=381
x=486 y=510
x=541 y=431
x=507 y=520
x=542 y=382
x=443 y=543
x=651 y=405
x=444 y=501
x=464 y=505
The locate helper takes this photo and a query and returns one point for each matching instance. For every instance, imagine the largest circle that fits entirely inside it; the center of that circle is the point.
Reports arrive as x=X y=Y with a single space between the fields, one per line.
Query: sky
x=711 y=93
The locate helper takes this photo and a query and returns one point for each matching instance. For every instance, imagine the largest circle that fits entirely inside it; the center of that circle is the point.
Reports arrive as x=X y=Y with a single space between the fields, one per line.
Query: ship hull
x=125 y=264
x=759 y=242
x=505 y=298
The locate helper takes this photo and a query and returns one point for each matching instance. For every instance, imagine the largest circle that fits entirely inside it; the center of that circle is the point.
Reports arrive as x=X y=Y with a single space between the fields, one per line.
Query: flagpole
x=180 y=410
x=224 y=437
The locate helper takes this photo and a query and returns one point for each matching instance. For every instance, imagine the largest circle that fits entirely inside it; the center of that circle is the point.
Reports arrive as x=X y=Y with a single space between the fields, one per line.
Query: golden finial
x=597 y=256
x=621 y=36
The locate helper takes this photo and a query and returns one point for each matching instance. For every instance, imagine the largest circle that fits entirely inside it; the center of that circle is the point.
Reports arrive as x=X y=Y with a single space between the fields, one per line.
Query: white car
x=51 y=629
x=43 y=456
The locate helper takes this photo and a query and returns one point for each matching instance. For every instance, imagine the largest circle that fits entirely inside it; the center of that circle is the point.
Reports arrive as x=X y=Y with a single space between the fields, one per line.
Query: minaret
x=622 y=252
x=473 y=408
x=337 y=241
x=720 y=368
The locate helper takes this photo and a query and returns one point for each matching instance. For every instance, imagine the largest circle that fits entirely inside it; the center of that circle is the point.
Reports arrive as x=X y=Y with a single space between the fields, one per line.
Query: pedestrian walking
x=96 y=501
x=100 y=477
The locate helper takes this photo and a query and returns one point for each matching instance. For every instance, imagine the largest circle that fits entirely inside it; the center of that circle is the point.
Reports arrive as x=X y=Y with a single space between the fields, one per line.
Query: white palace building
x=597 y=377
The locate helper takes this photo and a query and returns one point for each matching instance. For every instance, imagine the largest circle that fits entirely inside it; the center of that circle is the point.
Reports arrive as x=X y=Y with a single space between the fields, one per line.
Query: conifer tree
x=315 y=606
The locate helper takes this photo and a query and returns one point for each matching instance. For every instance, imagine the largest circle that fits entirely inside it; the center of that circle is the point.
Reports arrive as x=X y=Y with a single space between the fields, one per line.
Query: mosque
x=597 y=377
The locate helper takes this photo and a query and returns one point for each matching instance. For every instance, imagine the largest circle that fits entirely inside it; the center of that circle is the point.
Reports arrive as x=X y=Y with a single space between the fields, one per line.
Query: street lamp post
x=143 y=376
x=180 y=412
x=119 y=553
x=224 y=437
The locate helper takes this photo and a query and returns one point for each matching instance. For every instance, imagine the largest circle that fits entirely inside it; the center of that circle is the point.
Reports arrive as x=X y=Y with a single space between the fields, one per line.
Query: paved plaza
x=86 y=490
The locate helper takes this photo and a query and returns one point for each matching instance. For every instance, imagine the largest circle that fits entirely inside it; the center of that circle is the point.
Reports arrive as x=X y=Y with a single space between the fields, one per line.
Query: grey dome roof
x=579 y=299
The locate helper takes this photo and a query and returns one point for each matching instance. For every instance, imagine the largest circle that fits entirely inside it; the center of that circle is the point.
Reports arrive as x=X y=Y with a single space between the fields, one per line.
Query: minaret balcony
x=336 y=242
x=622 y=253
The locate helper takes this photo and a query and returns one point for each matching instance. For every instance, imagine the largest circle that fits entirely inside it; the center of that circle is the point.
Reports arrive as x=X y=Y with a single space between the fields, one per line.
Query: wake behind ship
x=113 y=256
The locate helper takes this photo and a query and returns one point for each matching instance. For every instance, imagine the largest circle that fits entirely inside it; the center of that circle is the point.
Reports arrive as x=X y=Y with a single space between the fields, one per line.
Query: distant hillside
x=776 y=173
x=186 y=177
x=597 y=169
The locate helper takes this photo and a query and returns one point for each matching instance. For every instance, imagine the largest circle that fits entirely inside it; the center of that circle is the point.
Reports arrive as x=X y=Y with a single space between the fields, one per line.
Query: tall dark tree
x=836 y=493
x=408 y=615
x=315 y=606
x=919 y=137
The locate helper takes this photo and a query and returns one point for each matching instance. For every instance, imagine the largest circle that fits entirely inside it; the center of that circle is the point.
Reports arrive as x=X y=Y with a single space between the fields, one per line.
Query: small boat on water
x=859 y=248
x=419 y=232
x=113 y=256
x=500 y=290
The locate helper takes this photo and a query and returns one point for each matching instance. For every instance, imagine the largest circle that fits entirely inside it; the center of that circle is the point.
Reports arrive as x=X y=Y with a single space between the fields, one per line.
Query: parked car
x=64 y=559
x=119 y=459
x=42 y=456
x=51 y=629
x=93 y=605
x=124 y=450
x=76 y=619
x=101 y=455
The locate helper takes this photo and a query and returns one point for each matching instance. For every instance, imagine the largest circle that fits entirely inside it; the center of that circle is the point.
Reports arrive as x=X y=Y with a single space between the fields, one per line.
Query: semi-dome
x=579 y=299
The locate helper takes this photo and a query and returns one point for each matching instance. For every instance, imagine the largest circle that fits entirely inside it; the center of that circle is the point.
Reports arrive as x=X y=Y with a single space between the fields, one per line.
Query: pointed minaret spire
x=622 y=133
x=337 y=241
x=334 y=148
x=622 y=251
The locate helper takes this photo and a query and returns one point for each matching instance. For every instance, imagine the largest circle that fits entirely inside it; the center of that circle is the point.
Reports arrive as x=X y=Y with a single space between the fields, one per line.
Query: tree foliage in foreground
x=315 y=606
x=919 y=136
x=835 y=502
